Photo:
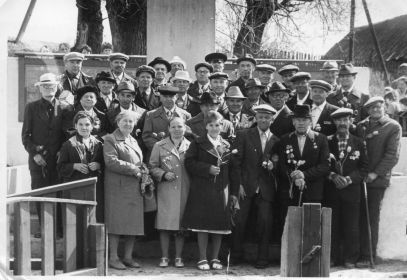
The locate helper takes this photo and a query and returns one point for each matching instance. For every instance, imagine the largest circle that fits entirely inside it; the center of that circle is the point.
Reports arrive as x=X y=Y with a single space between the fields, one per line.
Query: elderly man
x=265 y=73
x=161 y=67
x=347 y=95
x=157 y=121
x=245 y=67
x=382 y=136
x=202 y=72
x=277 y=96
x=321 y=110
x=286 y=73
x=217 y=60
x=234 y=101
x=105 y=83
x=182 y=81
x=118 y=63
x=73 y=77
x=254 y=89
x=42 y=135
x=302 y=92
x=330 y=72
x=176 y=64
x=342 y=191
x=253 y=183
x=146 y=97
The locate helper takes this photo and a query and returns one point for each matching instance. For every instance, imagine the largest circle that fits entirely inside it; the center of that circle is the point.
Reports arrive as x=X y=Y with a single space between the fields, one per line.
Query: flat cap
x=126 y=86
x=288 y=68
x=330 y=65
x=373 y=100
x=145 y=69
x=278 y=87
x=254 y=82
x=320 y=84
x=216 y=56
x=347 y=69
x=204 y=64
x=300 y=76
x=122 y=56
x=246 y=57
x=266 y=67
x=264 y=108
x=74 y=56
x=341 y=112
x=168 y=90
x=160 y=60
x=234 y=92
x=218 y=75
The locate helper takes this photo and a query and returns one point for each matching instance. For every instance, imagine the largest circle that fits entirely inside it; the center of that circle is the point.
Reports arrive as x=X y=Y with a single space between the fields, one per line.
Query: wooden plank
x=311 y=236
x=50 y=199
x=326 y=241
x=22 y=244
x=47 y=239
x=291 y=243
x=69 y=223
x=10 y=210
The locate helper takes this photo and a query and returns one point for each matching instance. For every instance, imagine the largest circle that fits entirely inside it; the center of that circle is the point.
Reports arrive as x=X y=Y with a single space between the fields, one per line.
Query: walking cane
x=369 y=229
x=300 y=199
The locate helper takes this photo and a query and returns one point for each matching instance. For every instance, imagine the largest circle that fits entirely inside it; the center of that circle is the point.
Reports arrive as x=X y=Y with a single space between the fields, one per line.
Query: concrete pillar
x=181 y=27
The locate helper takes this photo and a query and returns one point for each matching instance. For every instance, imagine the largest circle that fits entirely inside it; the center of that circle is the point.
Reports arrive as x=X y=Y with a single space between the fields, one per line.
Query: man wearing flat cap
x=73 y=77
x=265 y=73
x=117 y=62
x=342 y=190
x=146 y=97
x=202 y=72
x=253 y=183
x=177 y=63
x=105 y=83
x=234 y=101
x=321 y=110
x=382 y=136
x=254 y=89
x=158 y=120
x=302 y=93
x=217 y=60
x=182 y=81
x=245 y=68
x=161 y=67
x=330 y=72
x=286 y=73
x=347 y=95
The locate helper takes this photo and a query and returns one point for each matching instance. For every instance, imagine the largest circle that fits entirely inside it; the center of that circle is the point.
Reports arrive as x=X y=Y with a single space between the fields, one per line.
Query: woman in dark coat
x=207 y=162
x=81 y=157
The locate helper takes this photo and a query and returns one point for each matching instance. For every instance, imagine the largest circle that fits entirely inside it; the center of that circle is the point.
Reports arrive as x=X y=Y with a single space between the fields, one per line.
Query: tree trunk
x=128 y=24
x=250 y=34
x=90 y=27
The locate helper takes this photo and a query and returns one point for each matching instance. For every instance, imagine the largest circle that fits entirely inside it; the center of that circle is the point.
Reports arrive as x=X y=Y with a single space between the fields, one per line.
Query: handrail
x=51 y=199
x=57 y=188
x=61 y=55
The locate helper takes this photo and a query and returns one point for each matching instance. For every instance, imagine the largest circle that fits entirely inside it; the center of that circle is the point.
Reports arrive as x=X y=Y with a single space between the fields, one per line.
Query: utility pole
x=25 y=21
x=351 y=55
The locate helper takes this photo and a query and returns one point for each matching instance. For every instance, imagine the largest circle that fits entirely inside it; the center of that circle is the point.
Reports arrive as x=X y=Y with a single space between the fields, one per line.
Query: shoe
x=363 y=264
x=178 y=263
x=216 y=265
x=261 y=264
x=163 y=262
x=116 y=264
x=131 y=263
x=349 y=265
x=203 y=265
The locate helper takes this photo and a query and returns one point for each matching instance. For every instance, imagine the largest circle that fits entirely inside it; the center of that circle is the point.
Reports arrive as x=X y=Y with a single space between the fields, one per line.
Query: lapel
x=269 y=144
x=130 y=142
x=207 y=146
x=43 y=112
x=169 y=146
x=162 y=113
x=309 y=140
x=294 y=144
x=324 y=115
x=257 y=141
x=334 y=146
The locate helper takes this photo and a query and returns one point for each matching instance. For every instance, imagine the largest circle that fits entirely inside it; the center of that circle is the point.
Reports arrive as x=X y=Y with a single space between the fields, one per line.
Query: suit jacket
x=248 y=106
x=196 y=128
x=157 y=122
x=84 y=80
x=42 y=127
x=152 y=103
x=193 y=90
x=326 y=124
x=282 y=124
x=383 y=147
x=293 y=101
x=184 y=104
x=101 y=105
x=126 y=78
x=316 y=166
x=355 y=100
x=249 y=159
x=239 y=83
x=245 y=121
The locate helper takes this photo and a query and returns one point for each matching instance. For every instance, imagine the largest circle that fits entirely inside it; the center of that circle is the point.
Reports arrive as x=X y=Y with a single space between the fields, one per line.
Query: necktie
x=74 y=83
x=107 y=101
x=301 y=142
x=234 y=120
x=169 y=114
x=345 y=93
x=263 y=138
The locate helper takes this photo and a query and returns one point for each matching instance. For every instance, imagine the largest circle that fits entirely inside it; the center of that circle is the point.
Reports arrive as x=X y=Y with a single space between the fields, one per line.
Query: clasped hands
x=340 y=181
x=299 y=179
x=84 y=168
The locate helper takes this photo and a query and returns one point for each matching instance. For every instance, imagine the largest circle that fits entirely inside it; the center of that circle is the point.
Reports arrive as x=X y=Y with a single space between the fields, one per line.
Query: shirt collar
x=215 y=142
x=301 y=101
x=123 y=110
x=279 y=111
x=172 y=110
x=118 y=77
x=349 y=90
x=268 y=132
x=321 y=106
x=237 y=114
x=342 y=139
x=300 y=135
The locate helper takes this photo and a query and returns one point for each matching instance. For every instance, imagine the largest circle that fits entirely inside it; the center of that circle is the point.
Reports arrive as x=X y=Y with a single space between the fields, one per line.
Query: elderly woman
x=207 y=162
x=167 y=168
x=123 y=198
x=81 y=157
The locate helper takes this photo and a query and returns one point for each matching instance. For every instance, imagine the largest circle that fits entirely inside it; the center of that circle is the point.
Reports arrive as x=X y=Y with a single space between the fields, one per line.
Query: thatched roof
x=392 y=37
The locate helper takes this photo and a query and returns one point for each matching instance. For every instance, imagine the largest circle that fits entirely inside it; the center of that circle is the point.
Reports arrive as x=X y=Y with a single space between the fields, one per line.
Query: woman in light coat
x=168 y=169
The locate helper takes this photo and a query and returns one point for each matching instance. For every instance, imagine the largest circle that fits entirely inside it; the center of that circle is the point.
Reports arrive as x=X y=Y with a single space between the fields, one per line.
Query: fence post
x=97 y=245
x=69 y=217
x=22 y=240
x=47 y=239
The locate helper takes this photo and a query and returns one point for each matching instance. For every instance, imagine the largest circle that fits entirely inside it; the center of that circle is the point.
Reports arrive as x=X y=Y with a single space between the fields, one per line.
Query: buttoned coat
x=193 y=90
x=326 y=124
x=84 y=80
x=171 y=195
x=153 y=101
x=100 y=103
x=245 y=121
x=124 y=205
x=283 y=123
x=126 y=78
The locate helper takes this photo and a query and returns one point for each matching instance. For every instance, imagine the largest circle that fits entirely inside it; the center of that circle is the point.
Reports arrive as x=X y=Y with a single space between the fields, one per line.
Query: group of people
x=206 y=154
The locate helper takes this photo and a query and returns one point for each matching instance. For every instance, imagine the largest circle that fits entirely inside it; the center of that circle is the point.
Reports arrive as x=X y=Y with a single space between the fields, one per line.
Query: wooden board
x=326 y=241
x=69 y=217
x=47 y=239
x=97 y=245
x=22 y=240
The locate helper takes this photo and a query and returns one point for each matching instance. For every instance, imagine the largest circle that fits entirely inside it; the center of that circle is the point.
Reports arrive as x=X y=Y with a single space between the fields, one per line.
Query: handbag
x=150 y=202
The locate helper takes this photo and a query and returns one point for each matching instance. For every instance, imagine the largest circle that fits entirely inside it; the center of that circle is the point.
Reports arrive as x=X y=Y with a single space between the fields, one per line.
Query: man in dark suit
x=321 y=110
x=253 y=183
x=105 y=83
x=146 y=97
x=118 y=63
x=234 y=101
x=42 y=135
x=347 y=95
x=286 y=73
x=245 y=67
x=217 y=60
x=382 y=135
x=202 y=72
x=277 y=96
x=342 y=191
x=302 y=93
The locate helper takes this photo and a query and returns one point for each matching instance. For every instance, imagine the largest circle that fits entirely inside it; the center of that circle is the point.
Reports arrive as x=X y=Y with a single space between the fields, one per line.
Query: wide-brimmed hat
x=145 y=69
x=216 y=56
x=347 y=69
x=181 y=75
x=126 y=86
x=218 y=75
x=160 y=60
x=254 y=82
x=74 y=56
x=105 y=76
x=330 y=65
x=246 y=57
x=264 y=108
x=209 y=98
x=234 y=92
x=300 y=76
x=278 y=87
x=341 y=112
x=83 y=90
x=122 y=56
x=168 y=90
x=266 y=67
x=302 y=111
x=47 y=78
x=373 y=100
x=288 y=68
x=320 y=84
x=204 y=64
x=177 y=59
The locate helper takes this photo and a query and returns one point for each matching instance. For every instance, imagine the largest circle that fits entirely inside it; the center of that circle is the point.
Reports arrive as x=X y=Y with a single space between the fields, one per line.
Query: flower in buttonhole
x=301 y=162
x=234 y=151
x=317 y=127
x=289 y=161
x=357 y=153
x=375 y=132
x=264 y=164
x=341 y=155
x=294 y=161
x=348 y=149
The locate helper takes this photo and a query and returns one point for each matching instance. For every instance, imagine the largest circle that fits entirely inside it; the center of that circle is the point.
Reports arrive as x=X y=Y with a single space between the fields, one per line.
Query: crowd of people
x=208 y=155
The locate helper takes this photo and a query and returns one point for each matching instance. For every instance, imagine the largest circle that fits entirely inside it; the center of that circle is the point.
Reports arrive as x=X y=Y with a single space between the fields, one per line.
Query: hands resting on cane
x=299 y=179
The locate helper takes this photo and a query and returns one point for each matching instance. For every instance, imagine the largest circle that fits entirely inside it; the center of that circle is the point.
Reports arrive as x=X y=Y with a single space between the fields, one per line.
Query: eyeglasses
x=202 y=72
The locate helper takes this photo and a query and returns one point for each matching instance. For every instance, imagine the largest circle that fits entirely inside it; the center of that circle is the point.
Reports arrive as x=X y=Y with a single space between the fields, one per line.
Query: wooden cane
x=369 y=229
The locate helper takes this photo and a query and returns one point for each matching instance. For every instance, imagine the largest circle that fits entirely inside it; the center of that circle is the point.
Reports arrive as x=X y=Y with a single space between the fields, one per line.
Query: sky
x=55 y=21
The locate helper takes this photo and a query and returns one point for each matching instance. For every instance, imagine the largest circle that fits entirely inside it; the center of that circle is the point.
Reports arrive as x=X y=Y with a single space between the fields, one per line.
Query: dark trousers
x=345 y=230
x=374 y=197
x=264 y=211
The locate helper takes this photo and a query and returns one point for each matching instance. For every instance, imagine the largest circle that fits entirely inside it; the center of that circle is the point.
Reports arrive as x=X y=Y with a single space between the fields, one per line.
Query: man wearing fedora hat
x=347 y=95
x=42 y=135
x=202 y=72
x=117 y=62
x=73 y=77
x=177 y=63
x=234 y=101
x=182 y=81
x=146 y=96
x=105 y=83
x=321 y=110
x=286 y=73
x=330 y=72
x=254 y=89
x=302 y=93
x=245 y=67
x=161 y=67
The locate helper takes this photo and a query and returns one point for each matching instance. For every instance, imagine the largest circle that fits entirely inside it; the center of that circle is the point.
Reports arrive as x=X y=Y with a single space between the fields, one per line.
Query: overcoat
x=283 y=123
x=325 y=122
